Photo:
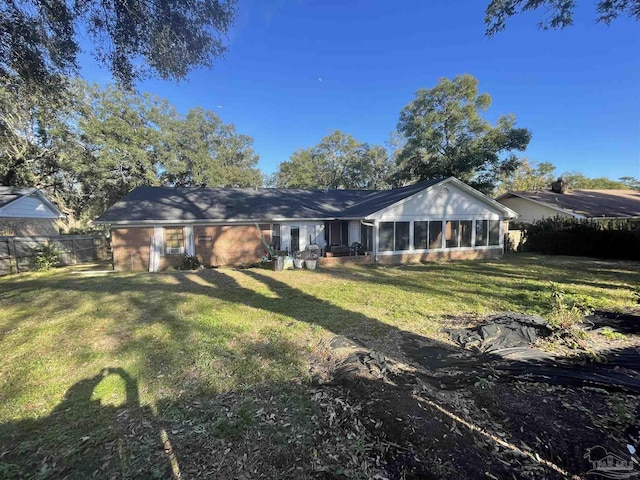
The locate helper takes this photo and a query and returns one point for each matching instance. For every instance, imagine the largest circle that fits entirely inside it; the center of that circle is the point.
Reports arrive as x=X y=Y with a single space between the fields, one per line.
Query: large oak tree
x=445 y=135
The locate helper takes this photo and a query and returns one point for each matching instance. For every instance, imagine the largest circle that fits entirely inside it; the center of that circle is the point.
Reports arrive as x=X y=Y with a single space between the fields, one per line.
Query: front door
x=295 y=239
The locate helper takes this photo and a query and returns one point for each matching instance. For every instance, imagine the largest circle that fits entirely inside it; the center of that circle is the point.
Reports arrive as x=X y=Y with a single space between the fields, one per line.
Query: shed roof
x=9 y=194
x=587 y=203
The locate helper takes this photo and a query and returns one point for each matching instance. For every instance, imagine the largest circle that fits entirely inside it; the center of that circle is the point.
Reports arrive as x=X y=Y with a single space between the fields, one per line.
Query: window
x=435 y=234
x=494 y=232
x=173 y=240
x=394 y=236
x=402 y=236
x=482 y=233
x=265 y=231
x=386 y=236
x=275 y=236
x=452 y=233
x=420 y=237
x=465 y=232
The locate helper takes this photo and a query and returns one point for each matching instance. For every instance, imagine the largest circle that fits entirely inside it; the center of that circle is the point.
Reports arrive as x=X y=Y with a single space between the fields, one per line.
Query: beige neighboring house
x=27 y=212
x=592 y=204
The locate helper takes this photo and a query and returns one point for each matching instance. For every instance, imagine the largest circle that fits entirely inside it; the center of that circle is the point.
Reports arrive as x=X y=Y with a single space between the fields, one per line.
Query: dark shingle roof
x=9 y=194
x=589 y=203
x=145 y=204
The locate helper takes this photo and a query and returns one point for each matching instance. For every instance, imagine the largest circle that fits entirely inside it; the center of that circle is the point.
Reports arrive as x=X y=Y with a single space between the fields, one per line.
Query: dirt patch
x=450 y=414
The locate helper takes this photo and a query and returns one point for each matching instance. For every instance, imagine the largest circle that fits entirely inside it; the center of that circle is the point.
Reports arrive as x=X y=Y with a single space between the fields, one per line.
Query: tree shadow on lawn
x=573 y=270
x=425 y=427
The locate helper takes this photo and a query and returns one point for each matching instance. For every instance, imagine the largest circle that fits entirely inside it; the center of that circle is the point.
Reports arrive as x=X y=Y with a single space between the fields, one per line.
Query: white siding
x=315 y=229
x=447 y=201
x=27 y=207
x=530 y=211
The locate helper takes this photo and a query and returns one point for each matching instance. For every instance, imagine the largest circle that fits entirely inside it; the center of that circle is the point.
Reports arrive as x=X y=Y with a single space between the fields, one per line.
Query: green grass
x=178 y=337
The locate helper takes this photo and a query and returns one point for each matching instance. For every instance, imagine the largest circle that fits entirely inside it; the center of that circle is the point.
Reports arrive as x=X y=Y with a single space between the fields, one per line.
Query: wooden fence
x=16 y=253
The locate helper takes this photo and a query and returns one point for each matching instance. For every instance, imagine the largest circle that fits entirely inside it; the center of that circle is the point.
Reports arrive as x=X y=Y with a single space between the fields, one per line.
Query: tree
x=35 y=132
x=119 y=144
x=528 y=176
x=338 y=161
x=559 y=13
x=630 y=182
x=576 y=180
x=200 y=150
x=90 y=147
x=445 y=135
x=39 y=40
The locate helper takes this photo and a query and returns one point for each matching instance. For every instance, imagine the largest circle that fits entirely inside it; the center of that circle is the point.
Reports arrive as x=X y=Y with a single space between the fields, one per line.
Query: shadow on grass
x=574 y=270
x=83 y=437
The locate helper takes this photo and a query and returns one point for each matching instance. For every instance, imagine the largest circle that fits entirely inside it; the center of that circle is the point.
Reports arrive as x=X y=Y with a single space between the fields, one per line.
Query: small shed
x=27 y=212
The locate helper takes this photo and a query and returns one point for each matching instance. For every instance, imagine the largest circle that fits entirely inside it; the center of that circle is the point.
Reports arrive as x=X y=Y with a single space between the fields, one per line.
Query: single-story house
x=592 y=204
x=27 y=212
x=442 y=218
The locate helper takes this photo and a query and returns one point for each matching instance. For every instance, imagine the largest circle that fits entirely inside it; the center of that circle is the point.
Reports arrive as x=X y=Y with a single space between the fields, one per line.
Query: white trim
x=470 y=190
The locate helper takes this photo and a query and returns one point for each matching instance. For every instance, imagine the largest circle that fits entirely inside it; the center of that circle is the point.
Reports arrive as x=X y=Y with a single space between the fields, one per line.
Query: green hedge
x=589 y=238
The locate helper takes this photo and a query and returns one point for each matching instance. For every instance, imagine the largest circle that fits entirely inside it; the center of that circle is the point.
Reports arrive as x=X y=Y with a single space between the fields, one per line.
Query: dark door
x=295 y=239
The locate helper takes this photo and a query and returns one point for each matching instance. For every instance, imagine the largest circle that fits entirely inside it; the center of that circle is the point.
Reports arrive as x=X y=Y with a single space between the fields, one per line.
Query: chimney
x=559 y=186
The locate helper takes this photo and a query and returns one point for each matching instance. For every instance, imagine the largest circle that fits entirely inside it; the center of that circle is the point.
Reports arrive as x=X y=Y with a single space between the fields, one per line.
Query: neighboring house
x=592 y=204
x=442 y=218
x=27 y=212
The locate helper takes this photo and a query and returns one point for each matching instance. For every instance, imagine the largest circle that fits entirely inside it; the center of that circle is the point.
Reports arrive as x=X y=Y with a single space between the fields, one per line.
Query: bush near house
x=584 y=237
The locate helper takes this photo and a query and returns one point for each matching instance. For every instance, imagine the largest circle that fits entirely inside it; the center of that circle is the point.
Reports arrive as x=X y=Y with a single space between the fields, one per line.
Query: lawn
x=135 y=375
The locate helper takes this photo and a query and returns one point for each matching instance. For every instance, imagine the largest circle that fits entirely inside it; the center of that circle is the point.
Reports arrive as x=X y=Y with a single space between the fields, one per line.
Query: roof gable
x=19 y=202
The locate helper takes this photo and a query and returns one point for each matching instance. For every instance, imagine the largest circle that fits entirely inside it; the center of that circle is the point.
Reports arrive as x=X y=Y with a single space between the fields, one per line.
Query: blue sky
x=296 y=70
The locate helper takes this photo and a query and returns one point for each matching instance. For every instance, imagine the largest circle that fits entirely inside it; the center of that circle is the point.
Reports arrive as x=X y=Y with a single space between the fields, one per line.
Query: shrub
x=45 y=257
x=584 y=237
x=189 y=262
x=565 y=316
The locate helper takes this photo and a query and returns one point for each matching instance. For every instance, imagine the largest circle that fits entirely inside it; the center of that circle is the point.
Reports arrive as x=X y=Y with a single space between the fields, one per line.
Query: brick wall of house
x=412 y=257
x=131 y=247
x=444 y=255
x=28 y=227
x=227 y=245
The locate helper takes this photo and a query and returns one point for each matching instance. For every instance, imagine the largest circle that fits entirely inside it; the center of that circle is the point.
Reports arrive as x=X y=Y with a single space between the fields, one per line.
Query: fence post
x=12 y=248
x=74 y=250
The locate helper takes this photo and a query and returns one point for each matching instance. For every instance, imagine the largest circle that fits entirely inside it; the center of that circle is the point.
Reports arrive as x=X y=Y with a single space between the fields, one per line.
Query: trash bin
x=278 y=263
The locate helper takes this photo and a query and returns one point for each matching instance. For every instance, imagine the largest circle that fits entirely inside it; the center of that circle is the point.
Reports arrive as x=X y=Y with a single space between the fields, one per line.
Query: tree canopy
x=539 y=176
x=528 y=176
x=558 y=13
x=338 y=161
x=92 y=146
x=445 y=135
x=39 y=40
x=577 y=180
